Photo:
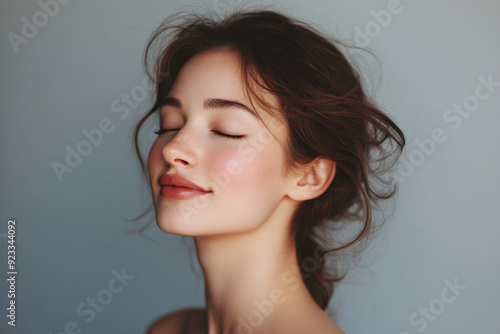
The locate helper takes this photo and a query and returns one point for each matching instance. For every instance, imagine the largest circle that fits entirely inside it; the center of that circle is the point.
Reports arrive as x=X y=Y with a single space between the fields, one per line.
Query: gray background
x=71 y=235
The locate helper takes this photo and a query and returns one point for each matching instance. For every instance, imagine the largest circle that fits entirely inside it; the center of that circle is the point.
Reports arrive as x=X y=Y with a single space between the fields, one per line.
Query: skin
x=241 y=229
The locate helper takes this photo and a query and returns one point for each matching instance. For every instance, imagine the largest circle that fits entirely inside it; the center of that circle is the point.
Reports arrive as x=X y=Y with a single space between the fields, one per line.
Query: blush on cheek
x=239 y=171
x=226 y=161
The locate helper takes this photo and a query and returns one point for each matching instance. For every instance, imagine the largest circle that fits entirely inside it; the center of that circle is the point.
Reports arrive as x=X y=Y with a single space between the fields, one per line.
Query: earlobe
x=313 y=180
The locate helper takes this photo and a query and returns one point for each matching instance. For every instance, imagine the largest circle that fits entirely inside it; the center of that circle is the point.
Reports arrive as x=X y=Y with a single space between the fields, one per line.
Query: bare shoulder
x=322 y=324
x=306 y=321
x=311 y=326
x=327 y=327
x=178 y=322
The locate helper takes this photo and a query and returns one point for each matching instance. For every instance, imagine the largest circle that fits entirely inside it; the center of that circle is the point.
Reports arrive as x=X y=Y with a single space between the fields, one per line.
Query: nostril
x=182 y=154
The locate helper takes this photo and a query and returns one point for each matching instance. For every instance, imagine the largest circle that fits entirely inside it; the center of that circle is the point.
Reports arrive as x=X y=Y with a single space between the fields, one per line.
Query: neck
x=251 y=275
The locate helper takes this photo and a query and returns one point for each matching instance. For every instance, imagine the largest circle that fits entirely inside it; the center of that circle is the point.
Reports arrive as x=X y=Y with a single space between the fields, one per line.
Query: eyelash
x=162 y=131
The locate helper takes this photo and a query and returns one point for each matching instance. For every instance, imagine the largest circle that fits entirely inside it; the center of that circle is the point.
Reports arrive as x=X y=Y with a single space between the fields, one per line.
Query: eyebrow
x=211 y=103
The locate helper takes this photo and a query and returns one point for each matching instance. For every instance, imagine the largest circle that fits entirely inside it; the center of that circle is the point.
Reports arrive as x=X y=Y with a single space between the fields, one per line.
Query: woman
x=266 y=140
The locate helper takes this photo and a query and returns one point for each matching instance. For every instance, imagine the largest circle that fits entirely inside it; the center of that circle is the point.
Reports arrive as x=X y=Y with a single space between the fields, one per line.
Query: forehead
x=214 y=73
x=217 y=74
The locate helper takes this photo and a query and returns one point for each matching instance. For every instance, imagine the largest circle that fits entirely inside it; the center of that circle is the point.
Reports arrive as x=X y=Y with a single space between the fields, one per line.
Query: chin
x=178 y=219
x=198 y=226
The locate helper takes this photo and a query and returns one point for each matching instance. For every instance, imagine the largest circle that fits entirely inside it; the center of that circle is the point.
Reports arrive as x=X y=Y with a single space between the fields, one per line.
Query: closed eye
x=228 y=136
x=218 y=133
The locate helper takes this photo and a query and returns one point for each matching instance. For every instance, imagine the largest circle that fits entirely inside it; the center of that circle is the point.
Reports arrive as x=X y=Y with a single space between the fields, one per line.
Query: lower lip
x=171 y=192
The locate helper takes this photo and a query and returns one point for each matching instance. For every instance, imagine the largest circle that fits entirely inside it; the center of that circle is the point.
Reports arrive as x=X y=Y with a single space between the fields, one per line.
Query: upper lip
x=179 y=181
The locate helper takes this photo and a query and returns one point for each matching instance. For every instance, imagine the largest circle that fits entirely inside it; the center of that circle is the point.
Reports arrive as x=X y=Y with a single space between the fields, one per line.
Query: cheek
x=249 y=168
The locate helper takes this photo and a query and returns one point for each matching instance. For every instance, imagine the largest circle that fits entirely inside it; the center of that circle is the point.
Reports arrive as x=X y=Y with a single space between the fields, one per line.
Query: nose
x=182 y=149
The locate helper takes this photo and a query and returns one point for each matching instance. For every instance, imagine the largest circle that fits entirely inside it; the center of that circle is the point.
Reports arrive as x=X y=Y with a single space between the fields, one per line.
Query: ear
x=312 y=180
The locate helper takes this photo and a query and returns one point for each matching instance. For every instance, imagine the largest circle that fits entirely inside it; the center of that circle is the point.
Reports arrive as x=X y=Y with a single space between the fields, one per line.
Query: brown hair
x=327 y=111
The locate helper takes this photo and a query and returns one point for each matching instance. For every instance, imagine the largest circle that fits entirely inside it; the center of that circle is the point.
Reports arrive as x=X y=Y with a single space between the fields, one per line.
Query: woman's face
x=243 y=174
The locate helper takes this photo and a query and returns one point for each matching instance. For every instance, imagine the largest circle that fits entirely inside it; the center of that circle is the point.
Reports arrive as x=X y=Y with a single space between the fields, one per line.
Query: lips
x=179 y=181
